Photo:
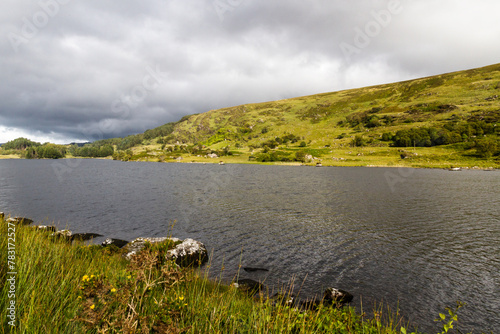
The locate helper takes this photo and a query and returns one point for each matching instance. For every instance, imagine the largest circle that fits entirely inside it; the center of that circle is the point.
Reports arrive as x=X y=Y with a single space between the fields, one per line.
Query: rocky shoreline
x=191 y=253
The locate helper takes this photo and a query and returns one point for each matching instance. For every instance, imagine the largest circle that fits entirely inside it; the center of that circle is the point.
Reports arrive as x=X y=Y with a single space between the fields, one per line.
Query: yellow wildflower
x=85 y=278
x=128 y=277
x=92 y=307
x=181 y=298
x=113 y=290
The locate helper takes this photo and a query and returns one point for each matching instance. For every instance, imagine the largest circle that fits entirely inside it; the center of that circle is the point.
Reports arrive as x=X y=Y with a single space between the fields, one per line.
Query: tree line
x=19 y=144
x=46 y=151
x=92 y=150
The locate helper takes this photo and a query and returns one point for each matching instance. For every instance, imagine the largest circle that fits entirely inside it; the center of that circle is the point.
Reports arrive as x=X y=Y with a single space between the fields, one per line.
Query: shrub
x=273 y=156
x=387 y=136
x=486 y=147
x=270 y=143
x=425 y=137
x=358 y=141
x=300 y=156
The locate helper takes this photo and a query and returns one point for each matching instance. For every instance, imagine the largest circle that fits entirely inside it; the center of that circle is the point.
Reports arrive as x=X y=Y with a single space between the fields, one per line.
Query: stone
x=337 y=296
x=253 y=269
x=136 y=245
x=185 y=253
x=62 y=234
x=46 y=228
x=84 y=236
x=116 y=242
x=189 y=252
x=19 y=220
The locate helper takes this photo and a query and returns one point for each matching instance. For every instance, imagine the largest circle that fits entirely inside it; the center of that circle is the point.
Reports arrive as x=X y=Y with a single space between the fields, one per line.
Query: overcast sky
x=78 y=70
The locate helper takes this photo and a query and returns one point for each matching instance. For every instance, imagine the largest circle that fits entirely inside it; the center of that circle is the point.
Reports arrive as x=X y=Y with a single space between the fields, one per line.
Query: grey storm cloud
x=84 y=70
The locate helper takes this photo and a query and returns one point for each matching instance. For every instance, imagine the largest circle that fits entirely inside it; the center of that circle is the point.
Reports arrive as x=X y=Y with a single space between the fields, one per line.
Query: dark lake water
x=423 y=238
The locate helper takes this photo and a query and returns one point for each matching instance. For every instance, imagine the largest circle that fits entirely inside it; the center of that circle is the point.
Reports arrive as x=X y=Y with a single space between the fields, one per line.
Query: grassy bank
x=64 y=288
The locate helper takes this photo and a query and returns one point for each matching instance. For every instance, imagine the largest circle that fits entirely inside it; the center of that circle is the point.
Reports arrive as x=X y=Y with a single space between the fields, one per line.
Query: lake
x=418 y=237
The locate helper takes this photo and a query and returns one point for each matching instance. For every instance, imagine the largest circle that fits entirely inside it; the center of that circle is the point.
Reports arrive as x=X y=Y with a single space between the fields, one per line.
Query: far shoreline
x=222 y=161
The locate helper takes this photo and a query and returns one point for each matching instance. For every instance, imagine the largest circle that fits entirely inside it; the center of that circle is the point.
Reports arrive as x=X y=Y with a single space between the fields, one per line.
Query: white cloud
x=8 y=134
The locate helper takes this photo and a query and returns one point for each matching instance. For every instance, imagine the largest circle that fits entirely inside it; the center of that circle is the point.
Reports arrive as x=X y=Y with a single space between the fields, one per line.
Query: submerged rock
x=189 y=252
x=253 y=269
x=115 y=242
x=19 y=220
x=337 y=296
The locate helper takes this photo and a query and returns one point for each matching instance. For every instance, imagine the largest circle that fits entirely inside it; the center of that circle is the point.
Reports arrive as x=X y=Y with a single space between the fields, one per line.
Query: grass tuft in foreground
x=64 y=288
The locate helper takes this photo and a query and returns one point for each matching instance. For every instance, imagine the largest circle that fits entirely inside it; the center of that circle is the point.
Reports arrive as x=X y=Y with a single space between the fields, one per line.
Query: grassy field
x=64 y=288
x=419 y=157
x=9 y=156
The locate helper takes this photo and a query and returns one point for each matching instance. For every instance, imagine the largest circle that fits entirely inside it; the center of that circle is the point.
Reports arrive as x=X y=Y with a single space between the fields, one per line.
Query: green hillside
x=448 y=120
x=440 y=121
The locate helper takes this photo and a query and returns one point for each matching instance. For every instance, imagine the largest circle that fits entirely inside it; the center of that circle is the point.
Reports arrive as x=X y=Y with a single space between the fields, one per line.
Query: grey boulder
x=45 y=228
x=115 y=242
x=19 y=220
x=188 y=253
x=138 y=245
x=62 y=234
